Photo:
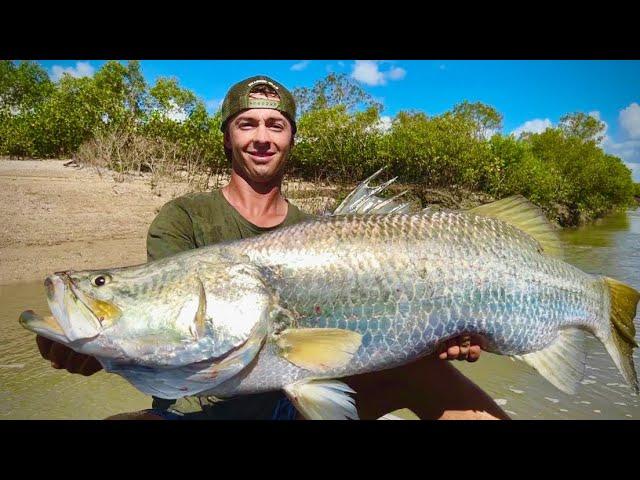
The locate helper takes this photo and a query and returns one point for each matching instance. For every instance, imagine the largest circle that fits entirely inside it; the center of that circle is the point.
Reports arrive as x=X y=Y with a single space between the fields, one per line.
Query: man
x=259 y=125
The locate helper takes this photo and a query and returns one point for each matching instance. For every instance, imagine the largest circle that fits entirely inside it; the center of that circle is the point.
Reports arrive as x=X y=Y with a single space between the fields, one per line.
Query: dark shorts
x=241 y=409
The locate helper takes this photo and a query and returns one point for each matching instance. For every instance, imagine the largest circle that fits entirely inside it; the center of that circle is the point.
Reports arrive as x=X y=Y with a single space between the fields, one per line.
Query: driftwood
x=71 y=162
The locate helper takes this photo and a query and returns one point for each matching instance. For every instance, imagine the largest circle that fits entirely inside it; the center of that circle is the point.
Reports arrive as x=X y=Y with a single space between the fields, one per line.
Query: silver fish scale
x=406 y=282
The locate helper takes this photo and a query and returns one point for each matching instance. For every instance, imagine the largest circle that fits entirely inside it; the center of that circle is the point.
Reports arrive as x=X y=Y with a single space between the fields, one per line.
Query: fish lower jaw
x=48 y=326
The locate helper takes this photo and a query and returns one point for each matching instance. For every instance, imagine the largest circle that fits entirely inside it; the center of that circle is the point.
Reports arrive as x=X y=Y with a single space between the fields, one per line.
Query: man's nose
x=262 y=134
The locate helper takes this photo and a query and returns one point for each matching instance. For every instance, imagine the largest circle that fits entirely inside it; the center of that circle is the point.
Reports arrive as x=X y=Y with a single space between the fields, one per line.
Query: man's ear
x=227 y=142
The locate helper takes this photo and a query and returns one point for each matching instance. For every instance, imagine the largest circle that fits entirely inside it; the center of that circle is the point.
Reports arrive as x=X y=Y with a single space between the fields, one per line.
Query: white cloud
x=635 y=171
x=300 y=65
x=537 y=125
x=628 y=151
x=176 y=113
x=368 y=72
x=384 y=125
x=596 y=114
x=82 y=69
x=397 y=73
x=630 y=120
x=488 y=133
x=627 y=145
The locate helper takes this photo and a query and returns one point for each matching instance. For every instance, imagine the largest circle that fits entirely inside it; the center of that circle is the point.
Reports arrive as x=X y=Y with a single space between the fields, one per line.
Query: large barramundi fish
x=300 y=307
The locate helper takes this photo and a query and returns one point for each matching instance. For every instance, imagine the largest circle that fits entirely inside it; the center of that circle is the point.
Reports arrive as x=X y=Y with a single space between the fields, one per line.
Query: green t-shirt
x=194 y=221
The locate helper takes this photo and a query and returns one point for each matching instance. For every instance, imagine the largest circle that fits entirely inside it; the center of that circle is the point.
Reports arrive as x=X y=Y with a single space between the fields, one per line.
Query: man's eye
x=277 y=126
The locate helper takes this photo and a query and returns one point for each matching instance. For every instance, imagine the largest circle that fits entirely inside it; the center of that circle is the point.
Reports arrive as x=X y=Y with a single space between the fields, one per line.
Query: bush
x=115 y=120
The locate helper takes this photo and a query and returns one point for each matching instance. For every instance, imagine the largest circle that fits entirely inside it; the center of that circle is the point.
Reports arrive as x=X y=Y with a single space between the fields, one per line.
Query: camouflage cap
x=238 y=99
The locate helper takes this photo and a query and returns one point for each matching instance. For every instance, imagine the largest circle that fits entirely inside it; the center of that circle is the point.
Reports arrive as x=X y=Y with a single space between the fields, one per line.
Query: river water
x=31 y=389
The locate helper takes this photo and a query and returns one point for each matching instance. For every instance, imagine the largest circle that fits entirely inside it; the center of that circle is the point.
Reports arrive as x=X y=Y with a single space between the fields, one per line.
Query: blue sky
x=530 y=94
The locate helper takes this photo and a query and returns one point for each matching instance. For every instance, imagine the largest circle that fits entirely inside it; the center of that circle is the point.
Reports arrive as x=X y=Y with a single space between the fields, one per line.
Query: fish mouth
x=47 y=326
x=70 y=313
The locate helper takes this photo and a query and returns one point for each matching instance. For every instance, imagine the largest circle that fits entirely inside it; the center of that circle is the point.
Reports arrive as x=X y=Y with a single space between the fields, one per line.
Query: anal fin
x=322 y=399
x=563 y=362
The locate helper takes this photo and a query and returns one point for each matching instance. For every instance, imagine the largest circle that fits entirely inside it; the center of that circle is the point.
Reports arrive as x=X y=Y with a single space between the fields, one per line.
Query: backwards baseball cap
x=238 y=98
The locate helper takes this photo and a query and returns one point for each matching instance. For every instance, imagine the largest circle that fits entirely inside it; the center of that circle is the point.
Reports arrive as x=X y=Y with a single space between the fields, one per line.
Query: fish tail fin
x=620 y=338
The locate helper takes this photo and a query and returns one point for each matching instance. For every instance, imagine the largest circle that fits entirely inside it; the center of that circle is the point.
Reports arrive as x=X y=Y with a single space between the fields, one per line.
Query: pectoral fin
x=201 y=313
x=318 y=349
x=322 y=399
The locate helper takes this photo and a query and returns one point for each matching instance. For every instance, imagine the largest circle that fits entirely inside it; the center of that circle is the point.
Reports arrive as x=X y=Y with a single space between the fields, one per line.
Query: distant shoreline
x=60 y=217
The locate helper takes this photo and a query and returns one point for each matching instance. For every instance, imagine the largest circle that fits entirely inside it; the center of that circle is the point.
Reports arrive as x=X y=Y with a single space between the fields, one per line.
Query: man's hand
x=465 y=347
x=62 y=357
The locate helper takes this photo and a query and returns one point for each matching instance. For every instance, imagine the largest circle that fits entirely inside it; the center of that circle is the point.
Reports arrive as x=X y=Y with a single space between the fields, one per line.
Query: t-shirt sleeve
x=170 y=232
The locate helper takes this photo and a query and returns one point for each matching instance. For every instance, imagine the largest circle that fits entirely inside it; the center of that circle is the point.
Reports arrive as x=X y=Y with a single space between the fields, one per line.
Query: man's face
x=260 y=141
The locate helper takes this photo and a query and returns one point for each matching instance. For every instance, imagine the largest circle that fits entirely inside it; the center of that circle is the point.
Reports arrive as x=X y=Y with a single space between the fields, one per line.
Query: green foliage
x=437 y=151
x=486 y=119
x=23 y=87
x=114 y=119
x=332 y=91
x=582 y=126
x=588 y=180
x=333 y=144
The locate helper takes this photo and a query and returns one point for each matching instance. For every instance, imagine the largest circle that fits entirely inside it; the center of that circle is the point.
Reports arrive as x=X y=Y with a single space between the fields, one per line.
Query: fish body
x=296 y=308
x=408 y=282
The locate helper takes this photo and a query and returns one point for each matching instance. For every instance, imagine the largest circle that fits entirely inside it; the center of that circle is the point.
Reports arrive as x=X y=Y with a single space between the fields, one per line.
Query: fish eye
x=100 y=280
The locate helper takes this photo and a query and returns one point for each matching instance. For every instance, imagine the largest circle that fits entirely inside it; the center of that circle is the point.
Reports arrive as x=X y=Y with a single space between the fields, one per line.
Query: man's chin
x=264 y=173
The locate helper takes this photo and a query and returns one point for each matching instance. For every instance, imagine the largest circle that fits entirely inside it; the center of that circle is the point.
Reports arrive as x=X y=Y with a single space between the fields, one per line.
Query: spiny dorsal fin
x=521 y=213
x=318 y=349
x=364 y=200
x=563 y=362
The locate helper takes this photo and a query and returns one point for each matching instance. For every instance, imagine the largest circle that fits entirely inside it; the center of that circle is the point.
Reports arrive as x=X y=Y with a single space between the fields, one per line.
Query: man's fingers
x=63 y=357
x=465 y=342
x=453 y=352
x=465 y=347
x=442 y=350
x=90 y=366
x=474 y=353
x=44 y=345
x=58 y=353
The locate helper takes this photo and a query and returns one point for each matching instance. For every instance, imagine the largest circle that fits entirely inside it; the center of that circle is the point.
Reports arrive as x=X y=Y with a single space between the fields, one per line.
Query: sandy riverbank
x=59 y=218
x=55 y=217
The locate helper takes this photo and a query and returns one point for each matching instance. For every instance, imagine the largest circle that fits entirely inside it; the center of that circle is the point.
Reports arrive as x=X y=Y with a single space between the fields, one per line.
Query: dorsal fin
x=364 y=200
x=521 y=213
